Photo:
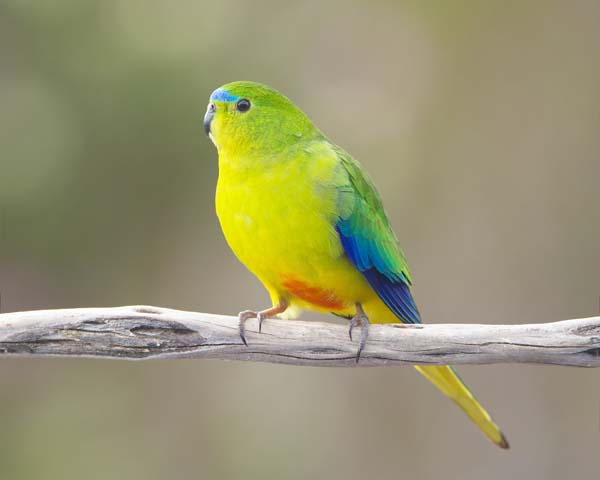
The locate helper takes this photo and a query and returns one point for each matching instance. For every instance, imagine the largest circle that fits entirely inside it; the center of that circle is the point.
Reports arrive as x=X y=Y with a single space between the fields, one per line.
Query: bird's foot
x=360 y=320
x=260 y=316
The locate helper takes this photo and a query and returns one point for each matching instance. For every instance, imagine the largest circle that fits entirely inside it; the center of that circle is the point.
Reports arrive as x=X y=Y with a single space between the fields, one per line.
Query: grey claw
x=361 y=320
x=364 y=334
x=260 y=317
x=243 y=316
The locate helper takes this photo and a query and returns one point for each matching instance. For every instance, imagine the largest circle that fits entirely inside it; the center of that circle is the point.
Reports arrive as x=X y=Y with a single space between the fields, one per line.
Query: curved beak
x=210 y=113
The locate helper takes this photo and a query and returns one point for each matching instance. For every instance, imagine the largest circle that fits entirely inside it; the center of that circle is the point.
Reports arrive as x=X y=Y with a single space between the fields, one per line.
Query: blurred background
x=478 y=121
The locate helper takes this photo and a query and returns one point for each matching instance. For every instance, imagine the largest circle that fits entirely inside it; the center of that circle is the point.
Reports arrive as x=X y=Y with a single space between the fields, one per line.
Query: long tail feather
x=446 y=379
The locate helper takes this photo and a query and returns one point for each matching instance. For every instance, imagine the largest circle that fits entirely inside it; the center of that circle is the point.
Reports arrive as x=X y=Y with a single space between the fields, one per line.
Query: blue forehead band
x=220 y=95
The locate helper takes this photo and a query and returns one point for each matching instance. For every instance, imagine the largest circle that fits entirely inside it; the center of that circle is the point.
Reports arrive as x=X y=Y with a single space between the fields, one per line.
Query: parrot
x=305 y=218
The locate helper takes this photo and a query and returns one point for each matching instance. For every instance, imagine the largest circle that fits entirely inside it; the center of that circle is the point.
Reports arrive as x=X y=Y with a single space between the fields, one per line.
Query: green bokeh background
x=479 y=122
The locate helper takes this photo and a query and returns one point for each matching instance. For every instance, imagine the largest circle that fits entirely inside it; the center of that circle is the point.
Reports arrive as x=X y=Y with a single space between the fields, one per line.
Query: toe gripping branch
x=260 y=316
x=360 y=320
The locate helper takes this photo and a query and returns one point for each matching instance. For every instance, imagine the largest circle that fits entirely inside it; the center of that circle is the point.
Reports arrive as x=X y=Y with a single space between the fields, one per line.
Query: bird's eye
x=211 y=107
x=243 y=105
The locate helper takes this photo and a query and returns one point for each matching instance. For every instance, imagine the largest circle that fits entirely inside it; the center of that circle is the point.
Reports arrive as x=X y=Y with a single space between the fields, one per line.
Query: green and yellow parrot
x=305 y=218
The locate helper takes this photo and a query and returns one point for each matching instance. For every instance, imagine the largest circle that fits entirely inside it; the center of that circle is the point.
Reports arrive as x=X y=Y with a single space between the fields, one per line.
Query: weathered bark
x=140 y=332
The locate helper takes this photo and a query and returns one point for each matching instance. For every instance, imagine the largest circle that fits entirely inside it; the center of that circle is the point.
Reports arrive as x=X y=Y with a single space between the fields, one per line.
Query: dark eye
x=211 y=107
x=243 y=105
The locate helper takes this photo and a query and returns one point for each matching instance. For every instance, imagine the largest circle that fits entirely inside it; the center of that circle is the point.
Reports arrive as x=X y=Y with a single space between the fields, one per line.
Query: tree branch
x=138 y=333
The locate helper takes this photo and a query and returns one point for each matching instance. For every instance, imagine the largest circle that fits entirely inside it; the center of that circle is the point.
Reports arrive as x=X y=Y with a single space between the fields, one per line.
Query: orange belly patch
x=319 y=297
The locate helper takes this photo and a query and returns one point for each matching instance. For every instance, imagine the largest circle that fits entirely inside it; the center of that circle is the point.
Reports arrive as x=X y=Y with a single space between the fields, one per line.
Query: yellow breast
x=279 y=219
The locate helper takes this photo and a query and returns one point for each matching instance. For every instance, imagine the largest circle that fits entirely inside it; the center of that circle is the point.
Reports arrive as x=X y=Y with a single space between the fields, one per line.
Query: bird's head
x=247 y=117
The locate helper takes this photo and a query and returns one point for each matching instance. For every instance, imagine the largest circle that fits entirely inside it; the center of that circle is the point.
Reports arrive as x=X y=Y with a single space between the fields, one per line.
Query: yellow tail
x=446 y=379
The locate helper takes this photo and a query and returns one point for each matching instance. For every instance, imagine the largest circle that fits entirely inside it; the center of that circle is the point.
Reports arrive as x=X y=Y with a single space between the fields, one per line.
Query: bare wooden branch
x=139 y=332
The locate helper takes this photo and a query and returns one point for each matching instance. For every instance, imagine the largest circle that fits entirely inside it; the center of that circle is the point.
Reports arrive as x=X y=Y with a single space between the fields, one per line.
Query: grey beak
x=210 y=113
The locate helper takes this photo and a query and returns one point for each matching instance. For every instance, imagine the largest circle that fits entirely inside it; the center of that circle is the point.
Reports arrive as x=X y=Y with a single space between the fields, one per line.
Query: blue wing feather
x=392 y=288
